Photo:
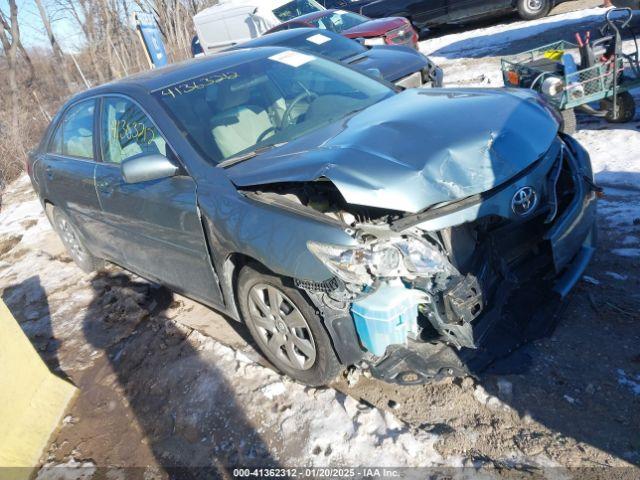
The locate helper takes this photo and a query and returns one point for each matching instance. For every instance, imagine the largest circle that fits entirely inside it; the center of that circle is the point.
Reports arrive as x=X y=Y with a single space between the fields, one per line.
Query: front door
x=154 y=226
x=425 y=12
x=462 y=9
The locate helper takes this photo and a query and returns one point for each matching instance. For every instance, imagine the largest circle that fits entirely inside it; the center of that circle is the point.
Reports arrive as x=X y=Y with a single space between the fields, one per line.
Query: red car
x=379 y=31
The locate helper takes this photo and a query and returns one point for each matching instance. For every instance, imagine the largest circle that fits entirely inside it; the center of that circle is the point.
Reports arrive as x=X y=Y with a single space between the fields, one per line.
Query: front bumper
x=574 y=234
x=525 y=290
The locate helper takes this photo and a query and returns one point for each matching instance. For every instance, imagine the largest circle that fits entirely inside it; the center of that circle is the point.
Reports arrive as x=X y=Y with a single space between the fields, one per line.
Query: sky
x=32 y=31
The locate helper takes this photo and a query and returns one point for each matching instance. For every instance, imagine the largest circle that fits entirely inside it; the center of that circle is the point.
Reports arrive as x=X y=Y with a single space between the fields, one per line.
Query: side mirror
x=147 y=167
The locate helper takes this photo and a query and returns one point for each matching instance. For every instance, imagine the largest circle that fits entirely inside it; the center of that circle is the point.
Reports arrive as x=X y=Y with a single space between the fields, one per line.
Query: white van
x=235 y=21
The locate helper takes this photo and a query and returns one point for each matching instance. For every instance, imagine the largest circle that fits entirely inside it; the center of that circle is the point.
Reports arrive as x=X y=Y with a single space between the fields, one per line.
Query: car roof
x=284 y=35
x=231 y=5
x=158 y=78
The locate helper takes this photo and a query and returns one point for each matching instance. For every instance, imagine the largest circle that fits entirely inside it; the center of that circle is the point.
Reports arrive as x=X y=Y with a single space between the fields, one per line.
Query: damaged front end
x=448 y=290
x=468 y=224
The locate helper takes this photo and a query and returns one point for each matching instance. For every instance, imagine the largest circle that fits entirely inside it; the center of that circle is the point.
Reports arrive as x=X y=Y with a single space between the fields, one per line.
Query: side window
x=321 y=23
x=127 y=132
x=56 y=142
x=74 y=136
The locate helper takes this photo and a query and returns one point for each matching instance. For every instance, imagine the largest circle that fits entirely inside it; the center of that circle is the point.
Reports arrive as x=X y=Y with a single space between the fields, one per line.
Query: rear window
x=339 y=21
x=296 y=8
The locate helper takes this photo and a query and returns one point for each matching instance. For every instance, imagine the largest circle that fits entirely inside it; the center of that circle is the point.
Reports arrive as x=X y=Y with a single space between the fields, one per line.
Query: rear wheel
x=533 y=9
x=625 y=109
x=286 y=327
x=72 y=241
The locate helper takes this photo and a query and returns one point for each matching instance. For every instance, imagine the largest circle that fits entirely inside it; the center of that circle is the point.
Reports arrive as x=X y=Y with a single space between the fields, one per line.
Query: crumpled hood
x=415 y=149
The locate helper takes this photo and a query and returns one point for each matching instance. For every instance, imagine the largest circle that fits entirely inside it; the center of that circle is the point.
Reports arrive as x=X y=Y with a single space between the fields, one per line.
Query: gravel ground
x=166 y=383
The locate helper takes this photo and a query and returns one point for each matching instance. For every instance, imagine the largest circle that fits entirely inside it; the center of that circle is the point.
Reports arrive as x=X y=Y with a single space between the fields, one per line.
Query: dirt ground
x=166 y=383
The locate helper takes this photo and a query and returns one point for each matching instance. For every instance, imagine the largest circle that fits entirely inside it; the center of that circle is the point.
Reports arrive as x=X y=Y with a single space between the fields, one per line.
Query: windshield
x=266 y=101
x=333 y=46
x=296 y=8
x=339 y=21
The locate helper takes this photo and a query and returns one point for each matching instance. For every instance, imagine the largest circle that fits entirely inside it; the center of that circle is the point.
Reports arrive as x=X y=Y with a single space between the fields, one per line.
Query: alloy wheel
x=70 y=239
x=535 y=5
x=281 y=327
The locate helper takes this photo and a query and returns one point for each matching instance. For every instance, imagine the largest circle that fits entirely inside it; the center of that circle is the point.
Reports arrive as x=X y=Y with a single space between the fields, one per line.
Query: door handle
x=49 y=172
x=105 y=187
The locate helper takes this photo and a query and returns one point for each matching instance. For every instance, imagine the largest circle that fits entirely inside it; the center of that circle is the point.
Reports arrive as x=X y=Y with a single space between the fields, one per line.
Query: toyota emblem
x=524 y=201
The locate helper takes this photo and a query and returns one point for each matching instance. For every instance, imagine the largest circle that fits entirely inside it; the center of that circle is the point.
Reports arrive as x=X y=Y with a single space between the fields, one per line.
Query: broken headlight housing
x=394 y=258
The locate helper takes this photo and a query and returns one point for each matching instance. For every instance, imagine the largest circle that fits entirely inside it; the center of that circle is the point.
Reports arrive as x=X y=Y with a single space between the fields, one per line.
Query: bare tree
x=55 y=46
x=175 y=19
x=108 y=47
x=10 y=38
x=22 y=50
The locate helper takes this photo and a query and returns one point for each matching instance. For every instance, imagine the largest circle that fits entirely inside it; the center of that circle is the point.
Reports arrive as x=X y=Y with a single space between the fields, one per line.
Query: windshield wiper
x=249 y=155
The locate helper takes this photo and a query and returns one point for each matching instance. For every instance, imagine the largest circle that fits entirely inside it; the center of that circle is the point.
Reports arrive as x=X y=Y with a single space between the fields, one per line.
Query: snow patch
x=317 y=427
x=613 y=155
x=71 y=470
x=273 y=390
x=482 y=41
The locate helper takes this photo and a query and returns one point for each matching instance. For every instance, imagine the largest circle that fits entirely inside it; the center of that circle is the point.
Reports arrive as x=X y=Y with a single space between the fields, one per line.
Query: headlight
x=421 y=259
x=405 y=257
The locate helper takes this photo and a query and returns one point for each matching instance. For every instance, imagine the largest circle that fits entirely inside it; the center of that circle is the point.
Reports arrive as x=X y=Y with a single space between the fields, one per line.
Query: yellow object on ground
x=32 y=400
x=554 y=54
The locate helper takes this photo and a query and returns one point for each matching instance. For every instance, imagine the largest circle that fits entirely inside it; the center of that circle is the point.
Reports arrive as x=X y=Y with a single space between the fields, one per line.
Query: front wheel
x=286 y=327
x=533 y=9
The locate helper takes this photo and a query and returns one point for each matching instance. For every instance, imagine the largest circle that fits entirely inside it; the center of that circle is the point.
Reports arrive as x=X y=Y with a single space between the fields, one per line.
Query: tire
x=533 y=9
x=296 y=343
x=73 y=242
x=626 y=110
x=569 y=121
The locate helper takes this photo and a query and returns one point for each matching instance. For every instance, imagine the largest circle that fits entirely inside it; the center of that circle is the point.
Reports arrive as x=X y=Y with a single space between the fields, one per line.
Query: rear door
x=66 y=170
x=154 y=225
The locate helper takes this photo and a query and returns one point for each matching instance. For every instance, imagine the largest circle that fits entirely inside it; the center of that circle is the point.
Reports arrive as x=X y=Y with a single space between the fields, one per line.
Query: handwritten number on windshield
x=198 y=84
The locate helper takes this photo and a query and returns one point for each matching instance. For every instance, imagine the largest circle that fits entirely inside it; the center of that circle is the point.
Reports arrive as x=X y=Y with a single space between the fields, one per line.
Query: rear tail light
x=29 y=161
x=402 y=36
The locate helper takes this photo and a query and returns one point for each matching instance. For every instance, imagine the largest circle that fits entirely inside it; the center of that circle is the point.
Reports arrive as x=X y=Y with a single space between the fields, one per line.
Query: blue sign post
x=151 y=38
